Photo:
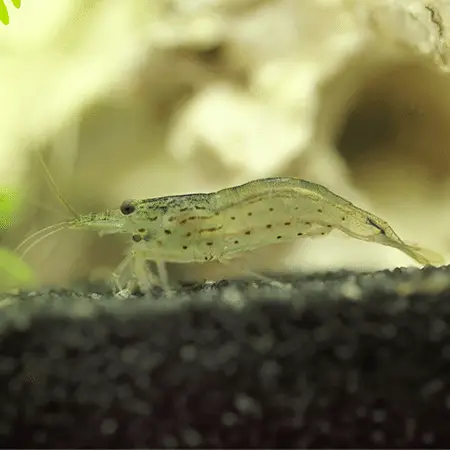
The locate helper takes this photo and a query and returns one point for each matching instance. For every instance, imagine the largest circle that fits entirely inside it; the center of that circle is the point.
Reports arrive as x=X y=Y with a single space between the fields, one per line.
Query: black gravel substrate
x=340 y=360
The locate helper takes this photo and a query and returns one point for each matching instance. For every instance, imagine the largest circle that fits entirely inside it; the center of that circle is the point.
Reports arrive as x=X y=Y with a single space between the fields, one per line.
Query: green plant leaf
x=10 y=200
x=14 y=272
x=4 y=15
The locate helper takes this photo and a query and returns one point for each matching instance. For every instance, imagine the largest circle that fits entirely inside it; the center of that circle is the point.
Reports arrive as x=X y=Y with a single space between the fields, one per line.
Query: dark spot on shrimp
x=198 y=217
x=269 y=225
x=378 y=227
x=167 y=232
x=210 y=230
x=247 y=232
x=136 y=237
x=287 y=223
x=188 y=234
x=185 y=247
x=279 y=237
x=209 y=243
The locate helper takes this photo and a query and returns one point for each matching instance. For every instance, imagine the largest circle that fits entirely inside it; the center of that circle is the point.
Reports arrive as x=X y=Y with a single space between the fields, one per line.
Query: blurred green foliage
x=10 y=200
x=4 y=16
x=14 y=273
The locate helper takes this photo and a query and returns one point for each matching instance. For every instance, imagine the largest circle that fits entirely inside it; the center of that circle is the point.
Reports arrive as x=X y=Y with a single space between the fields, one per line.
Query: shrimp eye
x=127 y=207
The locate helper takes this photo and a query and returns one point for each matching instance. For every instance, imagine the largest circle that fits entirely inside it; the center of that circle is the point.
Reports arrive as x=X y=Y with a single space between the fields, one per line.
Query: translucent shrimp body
x=222 y=224
x=219 y=226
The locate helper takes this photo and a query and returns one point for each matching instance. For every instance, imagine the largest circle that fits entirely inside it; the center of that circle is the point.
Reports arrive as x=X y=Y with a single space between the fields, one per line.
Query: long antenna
x=52 y=183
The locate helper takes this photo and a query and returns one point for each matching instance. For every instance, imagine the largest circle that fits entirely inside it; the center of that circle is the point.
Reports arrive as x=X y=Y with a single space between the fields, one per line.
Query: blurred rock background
x=142 y=98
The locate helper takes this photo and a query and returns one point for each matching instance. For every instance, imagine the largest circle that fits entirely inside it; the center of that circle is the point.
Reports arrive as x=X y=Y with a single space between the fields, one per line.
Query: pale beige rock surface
x=148 y=98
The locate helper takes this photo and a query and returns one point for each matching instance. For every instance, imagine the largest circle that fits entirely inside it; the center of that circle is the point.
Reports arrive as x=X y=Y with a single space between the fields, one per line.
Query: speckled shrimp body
x=224 y=224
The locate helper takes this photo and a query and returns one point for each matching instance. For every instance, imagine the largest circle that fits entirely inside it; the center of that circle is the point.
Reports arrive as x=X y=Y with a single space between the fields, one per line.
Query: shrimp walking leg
x=142 y=278
x=163 y=277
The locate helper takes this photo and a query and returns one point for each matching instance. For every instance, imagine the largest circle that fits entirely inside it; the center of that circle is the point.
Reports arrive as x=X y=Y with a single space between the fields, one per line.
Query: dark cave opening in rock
x=395 y=136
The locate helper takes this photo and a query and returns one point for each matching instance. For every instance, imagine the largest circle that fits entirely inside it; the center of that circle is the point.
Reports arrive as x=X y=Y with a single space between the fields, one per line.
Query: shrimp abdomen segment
x=310 y=210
